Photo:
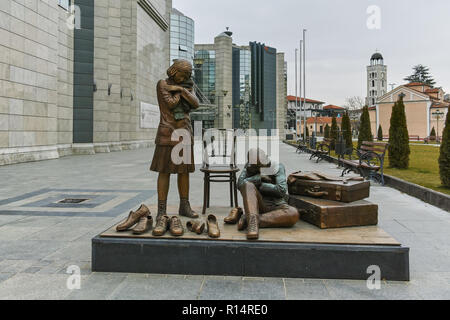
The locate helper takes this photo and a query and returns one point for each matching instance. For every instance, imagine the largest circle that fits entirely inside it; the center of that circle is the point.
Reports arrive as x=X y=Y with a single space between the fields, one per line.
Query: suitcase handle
x=315 y=192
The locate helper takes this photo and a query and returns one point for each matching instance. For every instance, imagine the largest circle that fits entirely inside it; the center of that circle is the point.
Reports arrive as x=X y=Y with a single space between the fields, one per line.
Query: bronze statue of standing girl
x=176 y=98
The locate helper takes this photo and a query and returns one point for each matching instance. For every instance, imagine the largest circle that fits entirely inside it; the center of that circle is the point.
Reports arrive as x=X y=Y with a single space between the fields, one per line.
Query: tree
x=333 y=132
x=421 y=74
x=399 y=150
x=380 y=133
x=444 y=157
x=347 y=130
x=354 y=103
x=326 y=131
x=433 y=133
x=365 y=130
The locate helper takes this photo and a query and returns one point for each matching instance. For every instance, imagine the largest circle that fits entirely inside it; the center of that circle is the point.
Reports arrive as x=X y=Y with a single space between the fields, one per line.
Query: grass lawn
x=423 y=167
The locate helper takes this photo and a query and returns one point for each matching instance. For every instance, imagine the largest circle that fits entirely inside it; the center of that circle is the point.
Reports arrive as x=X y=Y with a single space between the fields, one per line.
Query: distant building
x=332 y=110
x=312 y=107
x=247 y=83
x=376 y=79
x=182 y=32
x=425 y=108
x=317 y=125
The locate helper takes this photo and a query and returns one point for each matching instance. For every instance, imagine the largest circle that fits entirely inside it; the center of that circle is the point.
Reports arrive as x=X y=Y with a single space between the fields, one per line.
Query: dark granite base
x=251 y=259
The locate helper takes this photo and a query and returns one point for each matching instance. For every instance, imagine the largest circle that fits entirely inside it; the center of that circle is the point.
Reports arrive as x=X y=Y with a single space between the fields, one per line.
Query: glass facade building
x=182 y=31
x=263 y=86
x=205 y=73
x=241 y=86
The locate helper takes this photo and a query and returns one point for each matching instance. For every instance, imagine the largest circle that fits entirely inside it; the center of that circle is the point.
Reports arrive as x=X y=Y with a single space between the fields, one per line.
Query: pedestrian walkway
x=40 y=239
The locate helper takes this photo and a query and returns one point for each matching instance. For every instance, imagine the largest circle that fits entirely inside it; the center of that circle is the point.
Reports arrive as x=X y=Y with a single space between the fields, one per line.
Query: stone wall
x=41 y=77
x=34 y=53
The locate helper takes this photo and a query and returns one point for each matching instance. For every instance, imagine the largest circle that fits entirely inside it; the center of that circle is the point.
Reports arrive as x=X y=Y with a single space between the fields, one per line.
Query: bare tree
x=354 y=103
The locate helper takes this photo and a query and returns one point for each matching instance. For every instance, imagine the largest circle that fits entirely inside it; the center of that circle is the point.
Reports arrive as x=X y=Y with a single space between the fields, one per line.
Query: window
x=64 y=4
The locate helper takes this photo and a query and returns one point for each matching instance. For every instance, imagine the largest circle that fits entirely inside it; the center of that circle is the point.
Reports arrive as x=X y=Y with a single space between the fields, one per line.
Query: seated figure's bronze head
x=257 y=159
x=180 y=71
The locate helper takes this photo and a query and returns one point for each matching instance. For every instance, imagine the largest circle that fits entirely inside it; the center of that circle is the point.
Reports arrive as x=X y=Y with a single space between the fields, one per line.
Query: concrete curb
x=430 y=196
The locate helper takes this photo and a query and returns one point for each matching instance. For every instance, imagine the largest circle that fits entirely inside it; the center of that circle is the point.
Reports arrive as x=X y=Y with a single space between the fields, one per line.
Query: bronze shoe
x=213 y=227
x=133 y=218
x=234 y=216
x=176 y=228
x=253 y=227
x=144 y=225
x=162 y=225
x=195 y=227
x=242 y=224
x=186 y=210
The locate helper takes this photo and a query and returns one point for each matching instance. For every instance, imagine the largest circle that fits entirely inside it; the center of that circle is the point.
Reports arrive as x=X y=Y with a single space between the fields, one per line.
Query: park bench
x=323 y=150
x=431 y=138
x=370 y=162
x=302 y=145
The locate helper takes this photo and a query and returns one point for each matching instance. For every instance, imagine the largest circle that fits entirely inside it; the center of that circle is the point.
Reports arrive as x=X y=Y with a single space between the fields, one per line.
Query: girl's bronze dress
x=162 y=158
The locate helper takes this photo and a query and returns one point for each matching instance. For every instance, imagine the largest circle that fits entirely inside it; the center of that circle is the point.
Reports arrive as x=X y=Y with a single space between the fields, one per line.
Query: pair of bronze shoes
x=211 y=226
x=140 y=219
x=165 y=223
x=249 y=222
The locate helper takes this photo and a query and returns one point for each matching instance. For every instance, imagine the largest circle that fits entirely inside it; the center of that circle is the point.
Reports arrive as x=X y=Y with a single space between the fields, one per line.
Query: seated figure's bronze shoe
x=242 y=224
x=176 y=228
x=234 y=216
x=253 y=227
x=162 y=225
x=144 y=225
x=133 y=218
x=213 y=227
x=186 y=210
x=195 y=227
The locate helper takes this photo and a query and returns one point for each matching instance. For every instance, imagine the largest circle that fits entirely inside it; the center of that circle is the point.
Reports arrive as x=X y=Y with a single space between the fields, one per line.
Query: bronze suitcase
x=316 y=185
x=327 y=214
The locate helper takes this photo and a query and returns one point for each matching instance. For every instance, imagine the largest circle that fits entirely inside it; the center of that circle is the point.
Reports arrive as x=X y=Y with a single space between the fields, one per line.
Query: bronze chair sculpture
x=224 y=173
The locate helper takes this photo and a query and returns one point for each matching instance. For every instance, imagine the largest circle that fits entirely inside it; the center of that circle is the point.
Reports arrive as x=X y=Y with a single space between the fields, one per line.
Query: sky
x=339 y=42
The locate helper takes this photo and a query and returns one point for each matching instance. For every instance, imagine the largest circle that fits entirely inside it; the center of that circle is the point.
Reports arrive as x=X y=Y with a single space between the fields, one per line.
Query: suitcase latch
x=316 y=192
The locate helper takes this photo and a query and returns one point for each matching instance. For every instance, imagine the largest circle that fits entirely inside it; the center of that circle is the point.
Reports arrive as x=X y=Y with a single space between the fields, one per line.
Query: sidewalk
x=38 y=241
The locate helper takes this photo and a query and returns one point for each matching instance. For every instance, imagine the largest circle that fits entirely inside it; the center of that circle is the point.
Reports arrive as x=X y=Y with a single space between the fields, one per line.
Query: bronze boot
x=133 y=218
x=234 y=216
x=186 y=210
x=144 y=225
x=213 y=227
x=162 y=208
x=162 y=225
x=195 y=227
x=176 y=228
x=253 y=227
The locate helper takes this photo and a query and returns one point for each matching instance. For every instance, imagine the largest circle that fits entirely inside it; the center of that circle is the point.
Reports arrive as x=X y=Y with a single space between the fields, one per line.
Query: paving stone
x=58 y=233
x=98 y=286
x=8 y=232
x=29 y=250
x=34 y=286
x=267 y=289
x=79 y=251
x=137 y=288
x=5 y=276
x=299 y=289
x=221 y=289
x=15 y=266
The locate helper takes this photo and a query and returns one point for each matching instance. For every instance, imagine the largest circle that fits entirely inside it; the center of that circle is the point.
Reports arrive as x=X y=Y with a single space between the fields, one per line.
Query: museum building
x=75 y=76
